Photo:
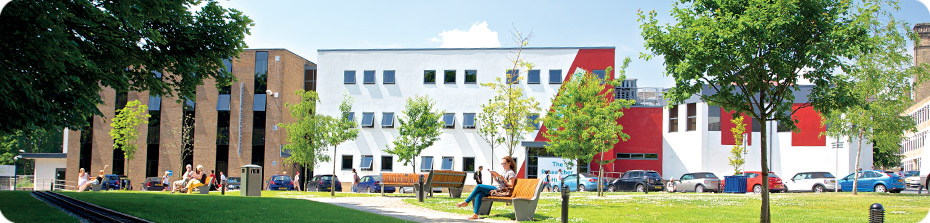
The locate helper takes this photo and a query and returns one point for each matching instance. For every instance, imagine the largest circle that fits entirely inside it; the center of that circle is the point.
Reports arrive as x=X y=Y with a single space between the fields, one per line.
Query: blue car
x=115 y=182
x=280 y=182
x=874 y=181
x=372 y=184
x=588 y=182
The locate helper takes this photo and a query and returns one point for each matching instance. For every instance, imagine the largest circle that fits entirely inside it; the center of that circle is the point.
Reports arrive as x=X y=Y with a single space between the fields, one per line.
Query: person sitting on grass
x=197 y=179
x=505 y=183
x=670 y=186
x=176 y=186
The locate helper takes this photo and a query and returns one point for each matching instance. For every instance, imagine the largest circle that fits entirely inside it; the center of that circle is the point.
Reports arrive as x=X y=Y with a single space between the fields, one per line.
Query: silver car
x=811 y=182
x=698 y=182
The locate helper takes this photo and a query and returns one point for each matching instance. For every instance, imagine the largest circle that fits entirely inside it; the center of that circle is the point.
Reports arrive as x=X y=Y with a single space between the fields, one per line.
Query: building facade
x=222 y=129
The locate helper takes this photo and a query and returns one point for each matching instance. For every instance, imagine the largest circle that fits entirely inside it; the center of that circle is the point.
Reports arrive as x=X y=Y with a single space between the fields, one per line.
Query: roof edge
x=486 y=48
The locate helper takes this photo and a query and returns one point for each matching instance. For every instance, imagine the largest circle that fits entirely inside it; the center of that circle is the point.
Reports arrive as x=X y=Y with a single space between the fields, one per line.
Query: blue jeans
x=478 y=193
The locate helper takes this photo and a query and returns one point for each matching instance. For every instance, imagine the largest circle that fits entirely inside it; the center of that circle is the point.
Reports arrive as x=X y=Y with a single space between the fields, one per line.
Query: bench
x=524 y=198
x=399 y=180
x=454 y=180
x=205 y=189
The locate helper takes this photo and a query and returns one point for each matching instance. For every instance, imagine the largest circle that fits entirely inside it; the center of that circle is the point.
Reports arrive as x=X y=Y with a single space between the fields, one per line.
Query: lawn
x=691 y=207
x=20 y=206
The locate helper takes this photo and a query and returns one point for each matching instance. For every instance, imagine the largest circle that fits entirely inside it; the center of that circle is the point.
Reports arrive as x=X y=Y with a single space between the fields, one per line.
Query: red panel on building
x=644 y=125
x=809 y=127
x=726 y=127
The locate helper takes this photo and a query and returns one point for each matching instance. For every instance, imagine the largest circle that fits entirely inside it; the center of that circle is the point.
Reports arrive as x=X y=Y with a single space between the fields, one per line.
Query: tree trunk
x=856 y=168
x=578 y=175
x=600 y=177
x=332 y=185
x=765 y=215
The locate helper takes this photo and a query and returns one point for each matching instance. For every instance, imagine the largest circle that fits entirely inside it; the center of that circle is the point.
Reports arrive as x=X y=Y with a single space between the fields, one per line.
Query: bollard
x=876 y=213
x=223 y=189
x=419 y=189
x=565 y=204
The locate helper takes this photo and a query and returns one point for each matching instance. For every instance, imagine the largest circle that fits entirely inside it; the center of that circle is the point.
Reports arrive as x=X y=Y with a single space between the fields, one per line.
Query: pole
x=836 y=185
x=13 y=188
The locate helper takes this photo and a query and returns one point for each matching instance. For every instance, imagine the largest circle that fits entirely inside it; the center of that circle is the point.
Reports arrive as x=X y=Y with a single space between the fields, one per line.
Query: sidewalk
x=395 y=207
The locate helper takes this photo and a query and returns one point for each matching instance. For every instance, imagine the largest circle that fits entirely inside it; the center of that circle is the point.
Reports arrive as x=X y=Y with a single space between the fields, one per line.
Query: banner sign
x=553 y=165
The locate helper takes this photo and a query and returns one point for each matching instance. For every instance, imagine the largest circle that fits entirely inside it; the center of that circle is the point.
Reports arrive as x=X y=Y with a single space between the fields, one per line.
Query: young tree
x=584 y=117
x=126 y=124
x=751 y=54
x=736 y=152
x=306 y=136
x=114 y=44
x=341 y=130
x=419 y=129
x=490 y=126
x=180 y=148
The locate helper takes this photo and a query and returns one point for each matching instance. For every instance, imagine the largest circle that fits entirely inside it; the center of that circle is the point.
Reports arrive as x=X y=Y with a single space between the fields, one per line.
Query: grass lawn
x=272 y=206
x=20 y=206
x=691 y=207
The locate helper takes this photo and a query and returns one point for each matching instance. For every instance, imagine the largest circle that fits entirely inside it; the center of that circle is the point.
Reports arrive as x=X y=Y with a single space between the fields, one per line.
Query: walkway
x=396 y=207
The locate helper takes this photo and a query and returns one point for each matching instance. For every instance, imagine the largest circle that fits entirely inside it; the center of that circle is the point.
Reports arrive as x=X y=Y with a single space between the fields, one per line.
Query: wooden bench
x=399 y=180
x=524 y=198
x=454 y=180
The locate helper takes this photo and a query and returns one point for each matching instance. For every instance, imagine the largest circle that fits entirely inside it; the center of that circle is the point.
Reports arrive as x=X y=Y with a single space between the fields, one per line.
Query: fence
x=23 y=182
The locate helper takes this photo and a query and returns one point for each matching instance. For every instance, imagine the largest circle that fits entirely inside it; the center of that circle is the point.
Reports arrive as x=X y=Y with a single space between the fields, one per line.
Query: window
x=555 y=76
x=429 y=76
x=426 y=163
x=349 y=77
x=447 y=163
x=346 y=162
x=154 y=103
x=222 y=102
x=600 y=73
x=258 y=102
x=713 y=118
x=366 y=162
x=368 y=77
x=471 y=76
x=387 y=163
x=533 y=119
x=673 y=119
x=449 y=77
x=468 y=120
x=350 y=116
x=261 y=72
x=368 y=119
x=448 y=120
x=692 y=117
x=532 y=77
x=388 y=76
x=387 y=120
x=513 y=76
x=638 y=156
x=468 y=164
x=310 y=79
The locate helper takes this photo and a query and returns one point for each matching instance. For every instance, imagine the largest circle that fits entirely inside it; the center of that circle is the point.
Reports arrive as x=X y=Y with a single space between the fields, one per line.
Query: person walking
x=165 y=181
x=548 y=184
x=560 y=180
x=222 y=181
x=478 y=175
x=504 y=182
x=297 y=181
x=355 y=180
x=213 y=183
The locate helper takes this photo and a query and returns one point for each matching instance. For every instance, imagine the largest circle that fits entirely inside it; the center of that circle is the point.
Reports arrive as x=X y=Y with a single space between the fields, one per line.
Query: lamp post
x=836 y=146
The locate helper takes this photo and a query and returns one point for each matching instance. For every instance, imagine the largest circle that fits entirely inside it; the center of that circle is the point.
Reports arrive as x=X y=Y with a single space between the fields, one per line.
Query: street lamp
x=15 y=158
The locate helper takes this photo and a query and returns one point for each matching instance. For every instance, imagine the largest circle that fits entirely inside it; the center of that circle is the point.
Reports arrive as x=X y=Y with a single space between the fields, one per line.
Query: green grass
x=20 y=206
x=273 y=205
x=690 y=207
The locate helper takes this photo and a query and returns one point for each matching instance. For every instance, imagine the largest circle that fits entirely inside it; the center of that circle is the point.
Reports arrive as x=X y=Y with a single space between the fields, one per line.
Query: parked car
x=912 y=178
x=588 y=182
x=280 y=182
x=698 y=182
x=323 y=183
x=233 y=183
x=873 y=181
x=754 y=182
x=115 y=182
x=637 y=180
x=372 y=184
x=811 y=182
x=152 y=184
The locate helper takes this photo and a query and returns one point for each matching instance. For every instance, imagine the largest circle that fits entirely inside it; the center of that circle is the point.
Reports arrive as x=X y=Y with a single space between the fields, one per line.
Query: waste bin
x=251 y=184
x=734 y=184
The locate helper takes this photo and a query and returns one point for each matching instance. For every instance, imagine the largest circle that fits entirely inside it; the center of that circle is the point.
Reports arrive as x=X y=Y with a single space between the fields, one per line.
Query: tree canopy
x=125 y=131
x=419 y=129
x=306 y=136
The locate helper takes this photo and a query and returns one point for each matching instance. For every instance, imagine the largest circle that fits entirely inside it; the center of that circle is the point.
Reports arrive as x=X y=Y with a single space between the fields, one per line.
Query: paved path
x=396 y=207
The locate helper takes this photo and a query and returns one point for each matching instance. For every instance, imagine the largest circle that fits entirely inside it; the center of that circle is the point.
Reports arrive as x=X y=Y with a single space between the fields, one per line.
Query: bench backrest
x=207 y=182
x=527 y=189
x=400 y=178
x=446 y=178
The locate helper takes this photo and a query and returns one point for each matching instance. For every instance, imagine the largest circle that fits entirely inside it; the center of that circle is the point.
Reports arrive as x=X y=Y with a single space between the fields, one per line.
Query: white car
x=912 y=178
x=811 y=182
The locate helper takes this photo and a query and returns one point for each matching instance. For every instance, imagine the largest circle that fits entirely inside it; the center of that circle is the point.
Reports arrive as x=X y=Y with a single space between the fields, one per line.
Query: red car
x=754 y=182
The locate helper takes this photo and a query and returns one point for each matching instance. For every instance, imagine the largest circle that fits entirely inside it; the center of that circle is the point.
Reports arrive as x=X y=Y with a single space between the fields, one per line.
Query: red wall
x=644 y=125
x=810 y=127
x=726 y=127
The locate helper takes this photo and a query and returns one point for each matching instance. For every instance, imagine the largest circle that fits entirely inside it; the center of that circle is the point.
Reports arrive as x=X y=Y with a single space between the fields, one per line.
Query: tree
x=736 y=152
x=584 y=119
x=32 y=140
x=419 y=129
x=58 y=55
x=341 y=130
x=490 y=125
x=306 y=136
x=125 y=127
x=751 y=54
x=512 y=107
x=879 y=83
x=184 y=148
x=885 y=157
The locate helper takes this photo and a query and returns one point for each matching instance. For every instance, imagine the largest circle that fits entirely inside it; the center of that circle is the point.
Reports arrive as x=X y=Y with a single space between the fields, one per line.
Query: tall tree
x=880 y=86
x=751 y=54
x=125 y=127
x=306 y=135
x=419 y=129
x=341 y=129
x=57 y=55
x=584 y=119
x=736 y=152
x=32 y=140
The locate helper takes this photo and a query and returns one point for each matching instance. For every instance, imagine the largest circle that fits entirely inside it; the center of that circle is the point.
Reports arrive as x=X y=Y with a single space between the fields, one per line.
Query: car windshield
x=912 y=173
x=282 y=178
x=326 y=178
x=653 y=174
x=822 y=175
x=232 y=180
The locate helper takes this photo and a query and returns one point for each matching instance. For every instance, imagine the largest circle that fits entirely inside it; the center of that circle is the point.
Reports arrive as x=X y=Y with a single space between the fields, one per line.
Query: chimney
x=921 y=56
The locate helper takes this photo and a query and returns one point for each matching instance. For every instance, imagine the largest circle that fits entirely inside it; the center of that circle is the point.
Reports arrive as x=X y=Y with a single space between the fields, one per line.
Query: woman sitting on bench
x=178 y=185
x=505 y=183
x=196 y=179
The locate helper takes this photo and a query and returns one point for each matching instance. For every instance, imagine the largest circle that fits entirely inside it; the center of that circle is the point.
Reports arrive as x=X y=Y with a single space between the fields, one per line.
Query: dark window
x=368 y=119
x=532 y=77
x=692 y=117
x=388 y=76
x=151 y=160
x=189 y=105
x=447 y=163
x=366 y=162
x=222 y=127
x=426 y=163
x=468 y=164
x=122 y=97
x=87 y=140
x=449 y=77
x=349 y=77
x=468 y=120
x=154 y=127
x=600 y=73
x=673 y=119
x=555 y=76
x=258 y=155
x=513 y=76
x=784 y=126
x=387 y=120
x=227 y=66
x=310 y=79
x=533 y=119
x=387 y=163
x=368 y=77
x=448 y=120
x=261 y=72
x=638 y=156
x=713 y=118
x=222 y=159
x=351 y=116
x=346 y=162
x=429 y=76
x=471 y=76
x=258 y=125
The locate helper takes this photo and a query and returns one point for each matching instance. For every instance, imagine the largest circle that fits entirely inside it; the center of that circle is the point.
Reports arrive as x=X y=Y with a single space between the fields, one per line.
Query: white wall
x=45 y=172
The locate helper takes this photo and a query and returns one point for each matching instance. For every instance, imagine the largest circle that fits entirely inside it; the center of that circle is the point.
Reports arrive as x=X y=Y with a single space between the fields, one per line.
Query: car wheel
x=581 y=188
x=819 y=189
x=880 y=188
x=699 y=189
x=610 y=188
x=757 y=189
x=640 y=188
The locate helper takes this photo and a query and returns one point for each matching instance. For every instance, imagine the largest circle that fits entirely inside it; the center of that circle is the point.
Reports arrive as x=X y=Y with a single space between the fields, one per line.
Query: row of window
x=451 y=76
x=426 y=163
x=713 y=120
x=913 y=142
x=637 y=156
x=673 y=118
x=922 y=114
x=449 y=120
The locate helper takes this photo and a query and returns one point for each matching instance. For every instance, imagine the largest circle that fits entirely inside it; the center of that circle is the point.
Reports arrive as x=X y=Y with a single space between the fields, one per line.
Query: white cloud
x=477 y=36
x=926 y=3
